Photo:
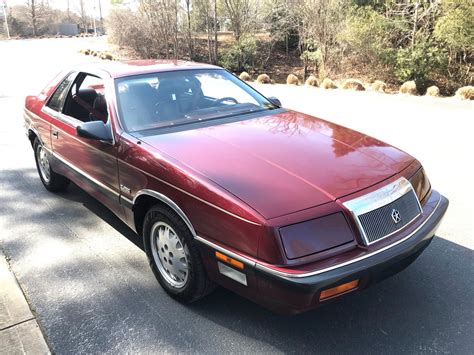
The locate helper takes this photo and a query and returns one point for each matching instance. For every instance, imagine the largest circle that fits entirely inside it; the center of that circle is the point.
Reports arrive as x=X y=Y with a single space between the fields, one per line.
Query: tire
x=173 y=256
x=52 y=181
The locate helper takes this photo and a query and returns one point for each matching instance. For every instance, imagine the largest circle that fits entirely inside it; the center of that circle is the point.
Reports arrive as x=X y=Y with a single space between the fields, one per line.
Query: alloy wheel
x=43 y=164
x=170 y=254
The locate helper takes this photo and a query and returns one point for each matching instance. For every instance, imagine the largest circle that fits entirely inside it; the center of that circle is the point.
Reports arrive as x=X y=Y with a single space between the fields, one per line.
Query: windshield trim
x=206 y=123
x=184 y=123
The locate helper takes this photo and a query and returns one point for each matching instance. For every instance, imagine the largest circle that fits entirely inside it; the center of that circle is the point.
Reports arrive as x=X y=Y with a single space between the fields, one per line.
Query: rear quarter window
x=57 y=99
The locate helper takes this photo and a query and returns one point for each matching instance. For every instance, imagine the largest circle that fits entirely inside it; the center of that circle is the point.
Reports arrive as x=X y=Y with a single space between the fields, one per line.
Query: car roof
x=118 y=69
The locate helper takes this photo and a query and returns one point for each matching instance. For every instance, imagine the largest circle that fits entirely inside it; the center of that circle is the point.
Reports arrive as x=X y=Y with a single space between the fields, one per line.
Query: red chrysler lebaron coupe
x=227 y=187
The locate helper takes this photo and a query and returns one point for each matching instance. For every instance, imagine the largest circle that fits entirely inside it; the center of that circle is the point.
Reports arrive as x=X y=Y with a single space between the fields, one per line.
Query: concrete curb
x=19 y=331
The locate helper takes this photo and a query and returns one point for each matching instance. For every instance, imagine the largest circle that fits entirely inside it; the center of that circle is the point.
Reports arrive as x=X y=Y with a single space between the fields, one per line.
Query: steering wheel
x=223 y=99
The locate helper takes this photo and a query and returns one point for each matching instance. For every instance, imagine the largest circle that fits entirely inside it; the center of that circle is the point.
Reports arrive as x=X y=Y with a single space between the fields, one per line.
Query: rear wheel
x=173 y=255
x=51 y=180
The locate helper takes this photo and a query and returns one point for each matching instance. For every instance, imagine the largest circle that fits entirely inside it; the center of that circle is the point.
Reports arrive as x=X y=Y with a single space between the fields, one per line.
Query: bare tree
x=68 y=10
x=241 y=14
x=83 y=15
x=37 y=13
x=281 y=20
x=100 y=12
x=162 y=15
x=319 y=23
x=206 y=19
x=419 y=16
x=190 y=36
x=215 y=29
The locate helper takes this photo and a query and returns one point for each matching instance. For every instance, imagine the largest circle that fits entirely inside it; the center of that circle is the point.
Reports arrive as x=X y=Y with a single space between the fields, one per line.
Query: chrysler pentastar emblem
x=396 y=216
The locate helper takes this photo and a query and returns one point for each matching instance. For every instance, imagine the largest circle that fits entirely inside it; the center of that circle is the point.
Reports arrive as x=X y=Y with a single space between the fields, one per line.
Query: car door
x=91 y=164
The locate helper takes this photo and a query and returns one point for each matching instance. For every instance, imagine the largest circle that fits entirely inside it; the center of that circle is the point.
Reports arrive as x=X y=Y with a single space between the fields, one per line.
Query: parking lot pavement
x=86 y=277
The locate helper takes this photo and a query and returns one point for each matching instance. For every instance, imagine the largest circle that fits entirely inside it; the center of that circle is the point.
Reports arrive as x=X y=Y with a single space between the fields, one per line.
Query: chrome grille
x=379 y=223
x=385 y=211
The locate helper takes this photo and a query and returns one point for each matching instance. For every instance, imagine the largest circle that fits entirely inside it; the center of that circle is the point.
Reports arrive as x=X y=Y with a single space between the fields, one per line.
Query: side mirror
x=94 y=130
x=274 y=101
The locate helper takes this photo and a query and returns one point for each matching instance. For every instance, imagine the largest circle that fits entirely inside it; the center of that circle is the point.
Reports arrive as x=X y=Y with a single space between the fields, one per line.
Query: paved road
x=88 y=282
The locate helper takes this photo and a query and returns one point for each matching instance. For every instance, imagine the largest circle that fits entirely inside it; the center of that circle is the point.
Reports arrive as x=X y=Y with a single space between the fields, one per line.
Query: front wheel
x=52 y=181
x=173 y=256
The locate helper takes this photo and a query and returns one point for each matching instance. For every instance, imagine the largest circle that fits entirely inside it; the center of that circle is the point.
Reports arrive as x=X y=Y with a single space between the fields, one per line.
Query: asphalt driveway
x=87 y=280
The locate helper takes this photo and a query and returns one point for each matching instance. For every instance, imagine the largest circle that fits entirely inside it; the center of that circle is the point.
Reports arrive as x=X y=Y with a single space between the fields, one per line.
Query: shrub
x=131 y=29
x=366 y=34
x=353 y=84
x=244 y=76
x=453 y=30
x=409 y=88
x=241 y=55
x=432 y=91
x=106 y=55
x=418 y=62
x=328 y=84
x=292 y=79
x=282 y=29
x=465 y=93
x=263 y=79
x=312 y=81
x=379 y=86
x=312 y=57
x=454 y=27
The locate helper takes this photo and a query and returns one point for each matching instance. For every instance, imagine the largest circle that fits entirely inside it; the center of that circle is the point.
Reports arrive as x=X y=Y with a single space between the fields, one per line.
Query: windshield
x=179 y=97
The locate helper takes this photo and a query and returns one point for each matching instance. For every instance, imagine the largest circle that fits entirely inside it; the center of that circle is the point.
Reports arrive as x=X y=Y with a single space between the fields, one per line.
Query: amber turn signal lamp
x=229 y=260
x=335 y=291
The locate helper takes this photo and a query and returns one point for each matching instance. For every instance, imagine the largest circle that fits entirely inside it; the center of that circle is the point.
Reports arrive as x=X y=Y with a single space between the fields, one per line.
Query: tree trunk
x=100 y=12
x=83 y=15
x=209 y=47
x=176 y=40
x=415 y=24
x=215 y=33
x=322 y=67
x=190 y=38
x=33 y=18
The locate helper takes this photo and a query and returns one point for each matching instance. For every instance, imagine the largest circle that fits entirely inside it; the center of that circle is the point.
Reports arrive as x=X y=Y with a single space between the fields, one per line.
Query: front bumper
x=283 y=291
x=288 y=294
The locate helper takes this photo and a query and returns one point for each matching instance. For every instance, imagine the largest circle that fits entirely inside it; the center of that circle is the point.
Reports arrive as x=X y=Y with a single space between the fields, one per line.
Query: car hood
x=284 y=162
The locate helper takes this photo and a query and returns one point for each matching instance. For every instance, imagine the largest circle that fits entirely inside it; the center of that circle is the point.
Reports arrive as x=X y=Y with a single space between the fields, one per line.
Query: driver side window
x=86 y=99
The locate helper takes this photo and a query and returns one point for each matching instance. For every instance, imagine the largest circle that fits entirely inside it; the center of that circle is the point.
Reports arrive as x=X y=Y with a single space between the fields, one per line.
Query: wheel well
x=141 y=207
x=147 y=199
x=31 y=136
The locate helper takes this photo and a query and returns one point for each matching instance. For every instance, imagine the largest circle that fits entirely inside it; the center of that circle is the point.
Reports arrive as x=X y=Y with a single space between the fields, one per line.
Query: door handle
x=55 y=134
